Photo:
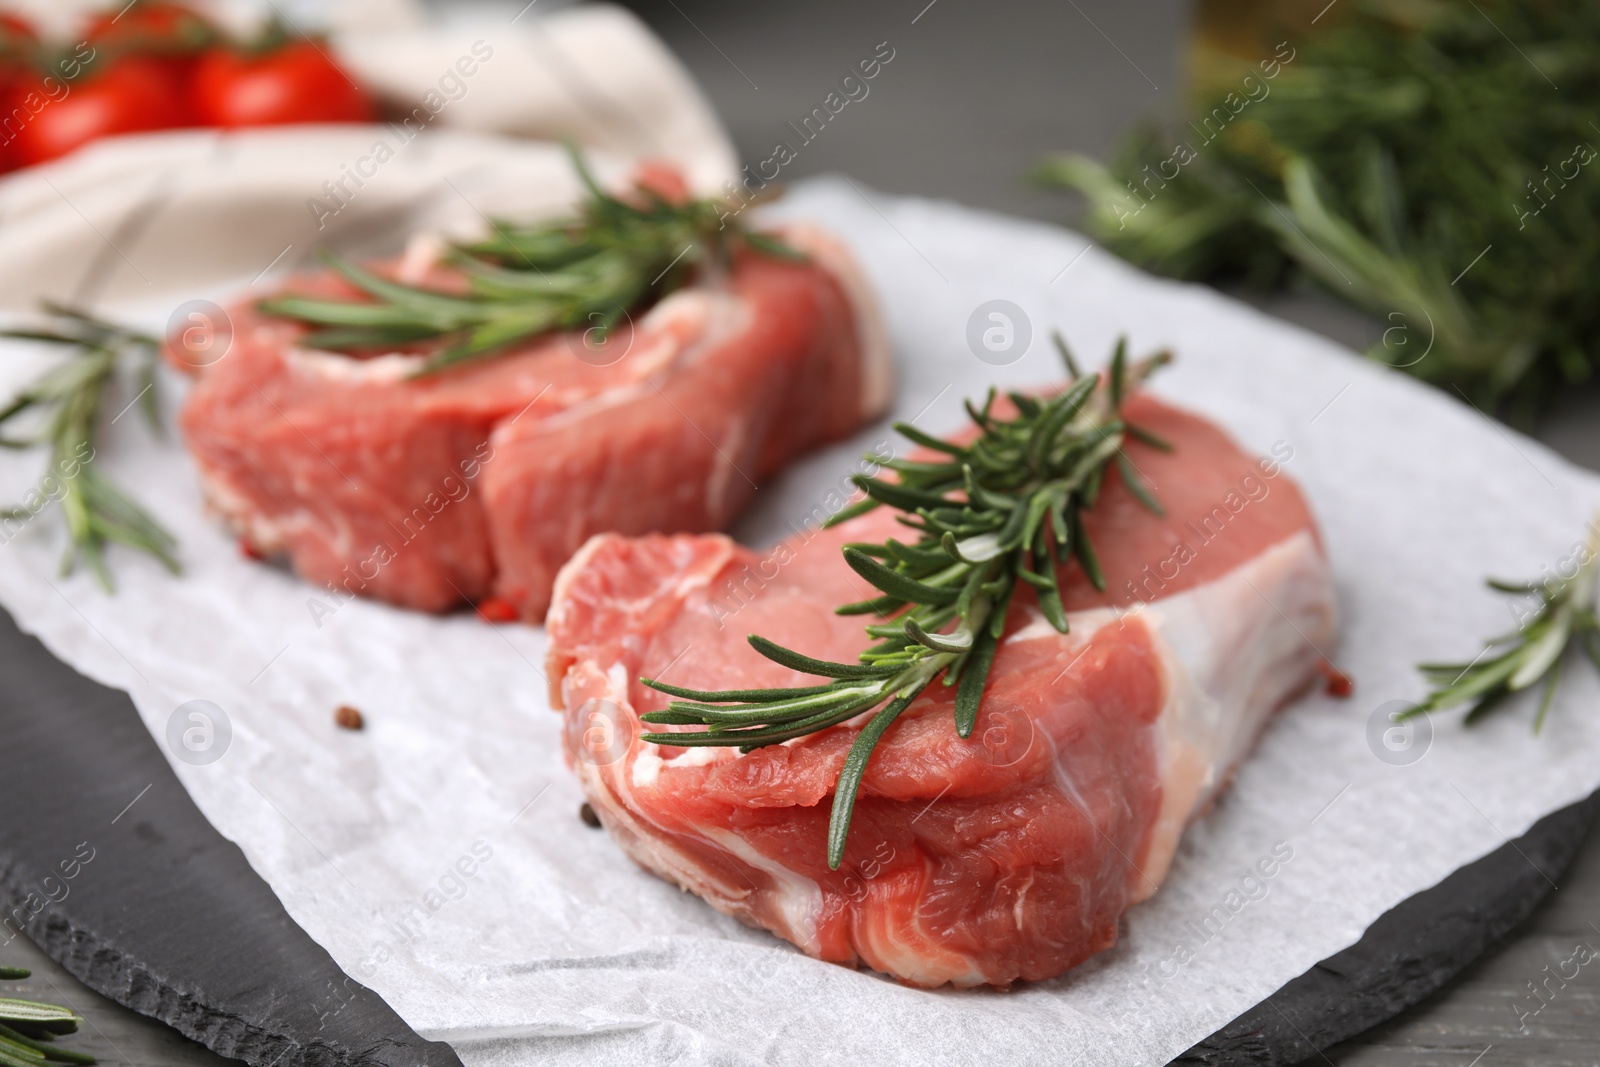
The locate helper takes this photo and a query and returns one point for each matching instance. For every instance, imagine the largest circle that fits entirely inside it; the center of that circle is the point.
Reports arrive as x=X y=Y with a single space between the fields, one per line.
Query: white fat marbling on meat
x=647 y=768
x=919 y=959
x=1234 y=650
x=559 y=601
x=334 y=366
x=676 y=332
x=609 y=788
x=617 y=676
x=424 y=251
x=798 y=899
x=264 y=534
x=724 y=470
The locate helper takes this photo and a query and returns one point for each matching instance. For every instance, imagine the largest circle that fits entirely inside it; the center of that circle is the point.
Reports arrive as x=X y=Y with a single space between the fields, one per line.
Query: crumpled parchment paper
x=438 y=854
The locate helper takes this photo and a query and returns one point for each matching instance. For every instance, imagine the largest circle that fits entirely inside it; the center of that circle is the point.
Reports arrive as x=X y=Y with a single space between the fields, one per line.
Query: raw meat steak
x=484 y=479
x=984 y=861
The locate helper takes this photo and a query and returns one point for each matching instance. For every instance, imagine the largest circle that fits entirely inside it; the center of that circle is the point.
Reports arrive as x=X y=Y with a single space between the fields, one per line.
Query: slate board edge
x=110 y=972
x=1397 y=963
x=1409 y=953
x=173 y=923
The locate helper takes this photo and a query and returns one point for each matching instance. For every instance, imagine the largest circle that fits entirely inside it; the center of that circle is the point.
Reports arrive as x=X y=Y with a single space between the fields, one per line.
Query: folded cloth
x=594 y=75
x=173 y=213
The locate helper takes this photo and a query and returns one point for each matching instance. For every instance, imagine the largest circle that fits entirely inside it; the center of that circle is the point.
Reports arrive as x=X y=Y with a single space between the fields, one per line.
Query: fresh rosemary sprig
x=1002 y=509
x=1517 y=660
x=28 y=1029
x=97 y=512
x=1410 y=160
x=585 y=272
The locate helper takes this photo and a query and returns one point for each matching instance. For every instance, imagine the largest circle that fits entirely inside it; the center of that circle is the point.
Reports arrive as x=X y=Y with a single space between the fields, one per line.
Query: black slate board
x=168 y=918
x=1411 y=951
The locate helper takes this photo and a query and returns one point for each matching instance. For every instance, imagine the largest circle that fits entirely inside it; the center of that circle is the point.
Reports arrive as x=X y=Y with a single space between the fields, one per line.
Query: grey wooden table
x=975 y=92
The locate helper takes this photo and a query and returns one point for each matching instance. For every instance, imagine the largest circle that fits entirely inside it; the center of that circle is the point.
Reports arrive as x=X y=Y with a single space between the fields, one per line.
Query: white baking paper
x=557 y=949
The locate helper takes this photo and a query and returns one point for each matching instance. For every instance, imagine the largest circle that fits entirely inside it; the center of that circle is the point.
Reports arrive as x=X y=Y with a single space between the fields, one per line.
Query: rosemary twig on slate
x=28 y=1030
x=586 y=272
x=1533 y=652
x=71 y=392
x=1002 y=509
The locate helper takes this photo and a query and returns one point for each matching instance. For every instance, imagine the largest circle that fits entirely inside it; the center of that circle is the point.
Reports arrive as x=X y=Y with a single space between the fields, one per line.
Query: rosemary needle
x=96 y=511
x=1411 y=160
x=1518 y=660
x=1002 y=509
x=586 y=272
x=28 y=1030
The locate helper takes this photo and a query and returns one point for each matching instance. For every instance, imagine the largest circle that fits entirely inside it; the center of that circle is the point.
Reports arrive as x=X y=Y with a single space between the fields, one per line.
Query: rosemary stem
x=1000 y=510
x=1566 y=617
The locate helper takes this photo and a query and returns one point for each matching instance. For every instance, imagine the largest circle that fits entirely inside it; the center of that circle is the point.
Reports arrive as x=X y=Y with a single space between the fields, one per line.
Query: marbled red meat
x=484 y=479
x=1007 y=857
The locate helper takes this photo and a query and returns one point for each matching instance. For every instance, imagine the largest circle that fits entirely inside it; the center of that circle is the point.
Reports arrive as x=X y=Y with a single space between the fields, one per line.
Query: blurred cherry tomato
x=19 y=53
x=121 y=95
x=18 y=38
x=19 y=50
x=150 y=27
x=297 y=82
x=171 y=34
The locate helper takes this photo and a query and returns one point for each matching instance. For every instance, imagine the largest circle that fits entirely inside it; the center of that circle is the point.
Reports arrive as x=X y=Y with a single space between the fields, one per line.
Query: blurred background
x=1035 y=108
x=978 y=96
